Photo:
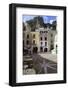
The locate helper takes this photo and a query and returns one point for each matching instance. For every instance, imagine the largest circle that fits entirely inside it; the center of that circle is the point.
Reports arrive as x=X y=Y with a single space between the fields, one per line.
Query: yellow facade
x=33 y=39
x=36 y=38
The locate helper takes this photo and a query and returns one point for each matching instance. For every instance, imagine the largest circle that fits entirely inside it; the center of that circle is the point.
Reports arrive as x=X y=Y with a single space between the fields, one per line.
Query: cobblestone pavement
x=43 y=65
x=28 y=65
x=36 y=64
x=49 y=56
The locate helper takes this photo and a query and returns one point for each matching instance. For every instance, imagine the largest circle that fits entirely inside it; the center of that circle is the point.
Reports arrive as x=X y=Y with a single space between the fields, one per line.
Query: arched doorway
x=35 y=49
x=45 y=49
x=41 y=49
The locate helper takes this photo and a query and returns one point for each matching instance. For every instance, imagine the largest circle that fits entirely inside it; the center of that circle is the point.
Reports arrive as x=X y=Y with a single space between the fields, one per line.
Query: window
x=27 y=35
x=41 y=49
x=40 y=38
x=33 y=35
x=45 y=38
x=27 y=42
x=23 y=42
x=33 y=41
x=45 y=43
x=41 y=43
x=45 y=49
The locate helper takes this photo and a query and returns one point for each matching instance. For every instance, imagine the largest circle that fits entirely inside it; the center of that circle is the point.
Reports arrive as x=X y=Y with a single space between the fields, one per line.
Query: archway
x=35 y=49
x=45 y=49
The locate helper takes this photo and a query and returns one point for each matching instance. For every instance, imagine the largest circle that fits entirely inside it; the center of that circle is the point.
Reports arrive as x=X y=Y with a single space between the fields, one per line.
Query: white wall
x=4 y=44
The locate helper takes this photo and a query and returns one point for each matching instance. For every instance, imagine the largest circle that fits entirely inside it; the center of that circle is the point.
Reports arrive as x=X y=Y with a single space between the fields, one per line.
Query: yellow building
x=35 y=41
x=31 y=40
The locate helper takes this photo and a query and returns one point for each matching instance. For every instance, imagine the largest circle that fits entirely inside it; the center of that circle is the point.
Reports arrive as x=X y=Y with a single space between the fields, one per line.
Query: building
x=40 y=40
x=54 y=51
x=30 y=40
x=26 y=38
x=46 y=39
x=35 y=42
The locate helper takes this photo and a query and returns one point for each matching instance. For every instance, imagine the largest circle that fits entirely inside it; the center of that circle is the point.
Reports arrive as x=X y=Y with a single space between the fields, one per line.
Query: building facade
x=46 y=39
x=40 y=40
x=55 y=50
x=30 y=40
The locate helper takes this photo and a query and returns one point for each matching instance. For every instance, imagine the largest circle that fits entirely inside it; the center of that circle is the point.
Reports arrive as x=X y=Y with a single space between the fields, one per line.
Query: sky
x=47 y=19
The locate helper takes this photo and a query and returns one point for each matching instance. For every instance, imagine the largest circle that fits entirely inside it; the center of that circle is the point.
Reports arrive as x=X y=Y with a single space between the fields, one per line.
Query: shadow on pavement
x=43 y=65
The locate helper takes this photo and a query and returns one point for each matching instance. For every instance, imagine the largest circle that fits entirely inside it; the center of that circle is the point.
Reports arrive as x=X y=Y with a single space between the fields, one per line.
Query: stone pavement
x=40 y=63
x=43 y=65
x=28 y=65
x=49 y=56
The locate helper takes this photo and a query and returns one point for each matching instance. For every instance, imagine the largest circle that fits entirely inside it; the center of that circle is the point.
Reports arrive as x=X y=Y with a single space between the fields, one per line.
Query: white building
x=54 y=51
x=47 y=36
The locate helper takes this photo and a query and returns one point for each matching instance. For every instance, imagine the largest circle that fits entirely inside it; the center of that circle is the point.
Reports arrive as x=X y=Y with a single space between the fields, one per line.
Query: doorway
x=35 y=49
x=45 y=49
